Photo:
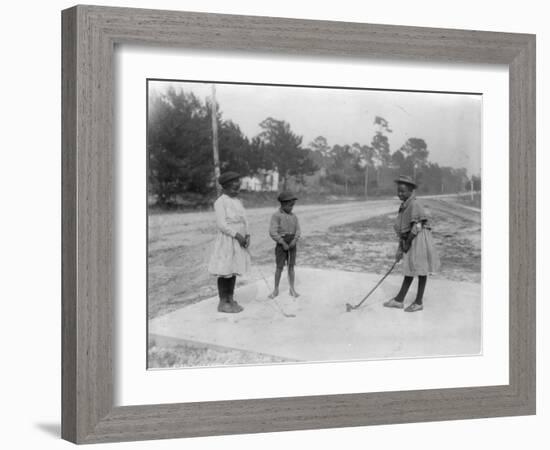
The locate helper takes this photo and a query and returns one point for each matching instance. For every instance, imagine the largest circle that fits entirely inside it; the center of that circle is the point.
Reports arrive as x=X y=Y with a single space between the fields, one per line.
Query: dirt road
x=179 y=244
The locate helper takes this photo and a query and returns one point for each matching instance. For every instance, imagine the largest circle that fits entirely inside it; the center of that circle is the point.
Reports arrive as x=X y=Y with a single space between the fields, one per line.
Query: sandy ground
x=354 y=236
x=179 y=246
x=317 y=327
x=353 y=239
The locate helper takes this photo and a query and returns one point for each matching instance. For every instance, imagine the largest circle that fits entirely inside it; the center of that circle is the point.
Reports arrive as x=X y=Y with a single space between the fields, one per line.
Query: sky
x=449 y=123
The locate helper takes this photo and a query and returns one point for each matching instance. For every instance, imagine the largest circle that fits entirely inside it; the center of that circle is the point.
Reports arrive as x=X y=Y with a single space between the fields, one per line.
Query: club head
x=349 y=307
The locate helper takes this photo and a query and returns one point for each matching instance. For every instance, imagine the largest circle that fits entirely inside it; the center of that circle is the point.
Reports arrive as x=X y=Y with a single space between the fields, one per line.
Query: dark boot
x=236 y=307
x=231 y=286
x=226 y=304
x=222 y=293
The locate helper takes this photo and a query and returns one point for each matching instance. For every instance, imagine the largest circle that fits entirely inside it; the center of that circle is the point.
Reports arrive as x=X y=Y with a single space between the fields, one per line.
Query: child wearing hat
x=229 y=258
x=284 y=229
x=415 y=248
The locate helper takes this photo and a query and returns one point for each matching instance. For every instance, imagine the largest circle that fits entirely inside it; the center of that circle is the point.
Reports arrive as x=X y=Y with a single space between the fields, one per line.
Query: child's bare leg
x=291 y=281
x=278 y=273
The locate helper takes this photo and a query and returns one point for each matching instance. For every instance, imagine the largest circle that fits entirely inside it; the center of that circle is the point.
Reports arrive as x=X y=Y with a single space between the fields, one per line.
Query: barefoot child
x=229 y=258
x=415 y=245
x=284 y=229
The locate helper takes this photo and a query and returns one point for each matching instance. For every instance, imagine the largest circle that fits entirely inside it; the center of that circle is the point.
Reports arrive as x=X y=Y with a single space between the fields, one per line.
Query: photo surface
x=300 y=224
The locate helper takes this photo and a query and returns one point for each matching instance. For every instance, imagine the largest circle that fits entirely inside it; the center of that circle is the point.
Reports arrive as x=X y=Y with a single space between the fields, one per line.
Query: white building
x=264 y=180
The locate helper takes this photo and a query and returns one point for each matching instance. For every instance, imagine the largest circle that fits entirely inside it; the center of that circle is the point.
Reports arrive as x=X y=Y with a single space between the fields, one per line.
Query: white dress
x=228 y=257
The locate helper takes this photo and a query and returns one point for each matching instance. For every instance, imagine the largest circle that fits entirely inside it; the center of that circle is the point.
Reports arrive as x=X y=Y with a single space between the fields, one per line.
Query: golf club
x=350 y=307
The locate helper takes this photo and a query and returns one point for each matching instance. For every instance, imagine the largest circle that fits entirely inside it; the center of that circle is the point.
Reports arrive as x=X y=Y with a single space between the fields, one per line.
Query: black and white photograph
x=293 y=224
x=276 y=225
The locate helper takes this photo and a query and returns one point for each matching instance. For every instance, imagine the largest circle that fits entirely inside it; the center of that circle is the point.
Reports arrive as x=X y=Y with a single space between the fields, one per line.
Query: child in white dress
x=229 y=258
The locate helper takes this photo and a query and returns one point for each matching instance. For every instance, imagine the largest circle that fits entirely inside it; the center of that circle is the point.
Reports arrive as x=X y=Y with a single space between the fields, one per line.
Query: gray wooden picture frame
x=89 y=36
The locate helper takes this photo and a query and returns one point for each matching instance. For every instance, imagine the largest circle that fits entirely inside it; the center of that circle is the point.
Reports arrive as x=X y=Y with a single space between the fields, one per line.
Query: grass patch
x=188 y=354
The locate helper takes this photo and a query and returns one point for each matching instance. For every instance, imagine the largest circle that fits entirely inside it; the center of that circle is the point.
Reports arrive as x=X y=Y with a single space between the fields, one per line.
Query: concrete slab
x=450 y=324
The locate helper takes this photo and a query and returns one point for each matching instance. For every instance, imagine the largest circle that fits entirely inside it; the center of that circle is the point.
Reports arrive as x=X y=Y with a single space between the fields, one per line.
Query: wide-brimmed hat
x=405 y=179
x=226 y=177
x=286 y=196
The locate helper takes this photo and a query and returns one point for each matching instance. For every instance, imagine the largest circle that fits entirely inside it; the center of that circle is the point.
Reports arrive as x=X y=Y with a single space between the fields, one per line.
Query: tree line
x=180 y=158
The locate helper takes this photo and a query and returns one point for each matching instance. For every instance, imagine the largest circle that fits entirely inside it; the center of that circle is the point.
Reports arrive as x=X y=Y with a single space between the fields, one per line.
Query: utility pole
x=366 y=180
x=215 y=139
